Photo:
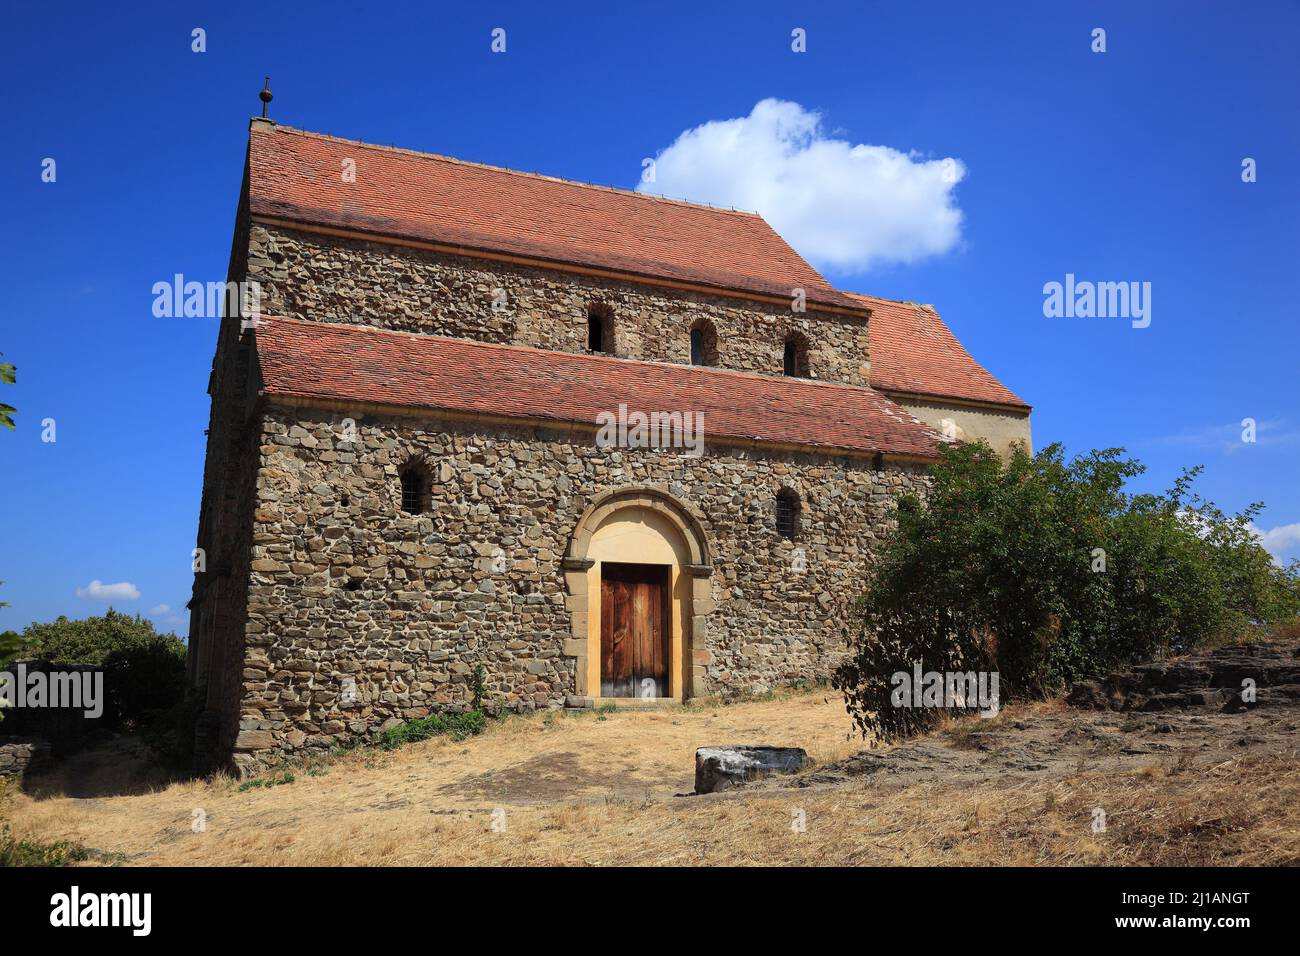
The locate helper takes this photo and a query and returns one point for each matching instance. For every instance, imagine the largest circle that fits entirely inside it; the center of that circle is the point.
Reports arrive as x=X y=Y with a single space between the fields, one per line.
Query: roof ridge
x=510 y=346
x=277 y=127
x=880 y=298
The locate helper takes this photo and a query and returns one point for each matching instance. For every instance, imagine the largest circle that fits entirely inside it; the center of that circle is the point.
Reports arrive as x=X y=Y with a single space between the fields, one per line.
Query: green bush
x=10 y=646
x=457 y=726
x=284 y=778
x=144 y=671
x=33 y=853
x=1047 y=571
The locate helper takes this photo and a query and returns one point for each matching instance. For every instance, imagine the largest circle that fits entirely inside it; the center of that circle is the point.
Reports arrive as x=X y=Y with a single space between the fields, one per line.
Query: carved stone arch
x=413 y=456
x=687 y=520
x=581 y=577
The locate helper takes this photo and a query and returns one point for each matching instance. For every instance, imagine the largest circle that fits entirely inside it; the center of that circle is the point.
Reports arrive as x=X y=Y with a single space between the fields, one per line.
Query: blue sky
x=1115 y=166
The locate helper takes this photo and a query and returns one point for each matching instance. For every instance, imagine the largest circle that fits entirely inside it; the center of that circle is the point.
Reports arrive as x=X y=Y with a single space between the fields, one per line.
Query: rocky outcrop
x=721 y=768
x=1197 y=719
x=1233 y=678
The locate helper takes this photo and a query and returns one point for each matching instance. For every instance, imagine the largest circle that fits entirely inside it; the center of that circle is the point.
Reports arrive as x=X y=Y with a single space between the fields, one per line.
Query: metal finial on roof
x=265 y=96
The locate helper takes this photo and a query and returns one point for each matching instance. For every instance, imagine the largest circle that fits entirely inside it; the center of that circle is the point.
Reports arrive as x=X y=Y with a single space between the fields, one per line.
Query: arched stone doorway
x=631 y=535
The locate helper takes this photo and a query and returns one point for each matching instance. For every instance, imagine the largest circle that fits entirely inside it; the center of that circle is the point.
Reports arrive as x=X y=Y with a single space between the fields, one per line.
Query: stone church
x=494 y=435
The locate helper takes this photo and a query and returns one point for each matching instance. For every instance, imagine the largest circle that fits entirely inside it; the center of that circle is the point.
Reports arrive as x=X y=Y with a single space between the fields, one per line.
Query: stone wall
x=20 y=757
x=220 y=589
x=223 y=598
x=315 y=277
x=359 y=614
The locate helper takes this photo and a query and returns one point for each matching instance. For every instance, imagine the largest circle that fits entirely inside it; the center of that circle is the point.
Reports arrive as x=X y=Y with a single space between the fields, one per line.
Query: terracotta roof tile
x=913 y=351
x=319 y=361
x=296 y=175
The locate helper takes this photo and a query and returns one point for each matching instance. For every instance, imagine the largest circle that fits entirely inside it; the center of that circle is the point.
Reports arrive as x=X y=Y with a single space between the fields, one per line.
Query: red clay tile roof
x=913 y=351
x=296 y=175
x=322 y=362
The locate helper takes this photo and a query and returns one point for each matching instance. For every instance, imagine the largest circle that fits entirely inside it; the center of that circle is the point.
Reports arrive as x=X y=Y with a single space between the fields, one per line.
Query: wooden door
x=634 y=623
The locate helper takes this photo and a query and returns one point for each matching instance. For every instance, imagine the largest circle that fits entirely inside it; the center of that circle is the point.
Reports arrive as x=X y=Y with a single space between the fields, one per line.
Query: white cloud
x=841 y=205
x=1230 y=438
x=164 y=616
x=1280 y=541
x=99 y=591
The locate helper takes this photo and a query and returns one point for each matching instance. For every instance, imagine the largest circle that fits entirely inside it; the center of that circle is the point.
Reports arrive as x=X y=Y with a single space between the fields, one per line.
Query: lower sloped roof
x=350 y=363
x=913 y=351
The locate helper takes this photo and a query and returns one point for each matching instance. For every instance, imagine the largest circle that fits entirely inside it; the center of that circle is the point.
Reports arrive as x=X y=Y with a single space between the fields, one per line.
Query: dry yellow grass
x=585 y=791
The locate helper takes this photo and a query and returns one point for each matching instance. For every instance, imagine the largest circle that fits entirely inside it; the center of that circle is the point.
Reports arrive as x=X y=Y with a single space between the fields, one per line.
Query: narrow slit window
x=795 y=357
x=600 y=328
x=704 y=343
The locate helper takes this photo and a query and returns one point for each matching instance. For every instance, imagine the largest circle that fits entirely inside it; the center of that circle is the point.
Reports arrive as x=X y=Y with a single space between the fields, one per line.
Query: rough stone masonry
x=342 y=585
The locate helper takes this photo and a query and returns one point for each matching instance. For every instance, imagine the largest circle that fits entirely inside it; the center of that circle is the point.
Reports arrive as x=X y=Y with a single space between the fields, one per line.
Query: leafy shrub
x=144 y=671
x=32 y=853
x=480 y=684
x=457 y=726
x=1046 y=571
x=284 y=778
x=147 y=679
x=10 y=646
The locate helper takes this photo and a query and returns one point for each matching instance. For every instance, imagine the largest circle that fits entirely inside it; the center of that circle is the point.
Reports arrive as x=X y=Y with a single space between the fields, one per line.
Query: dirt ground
x=104 y=797
x=1180 y=785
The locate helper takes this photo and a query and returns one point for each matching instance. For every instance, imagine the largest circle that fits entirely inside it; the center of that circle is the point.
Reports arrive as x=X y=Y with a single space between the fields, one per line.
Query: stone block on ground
x=721 y=768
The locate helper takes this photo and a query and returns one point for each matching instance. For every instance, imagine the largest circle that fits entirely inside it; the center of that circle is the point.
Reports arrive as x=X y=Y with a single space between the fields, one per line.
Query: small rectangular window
x=413 y=492
x=788 y=507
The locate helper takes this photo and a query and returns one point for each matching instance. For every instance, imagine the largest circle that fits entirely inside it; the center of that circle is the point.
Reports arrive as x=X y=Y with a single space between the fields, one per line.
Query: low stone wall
x=20 y=756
